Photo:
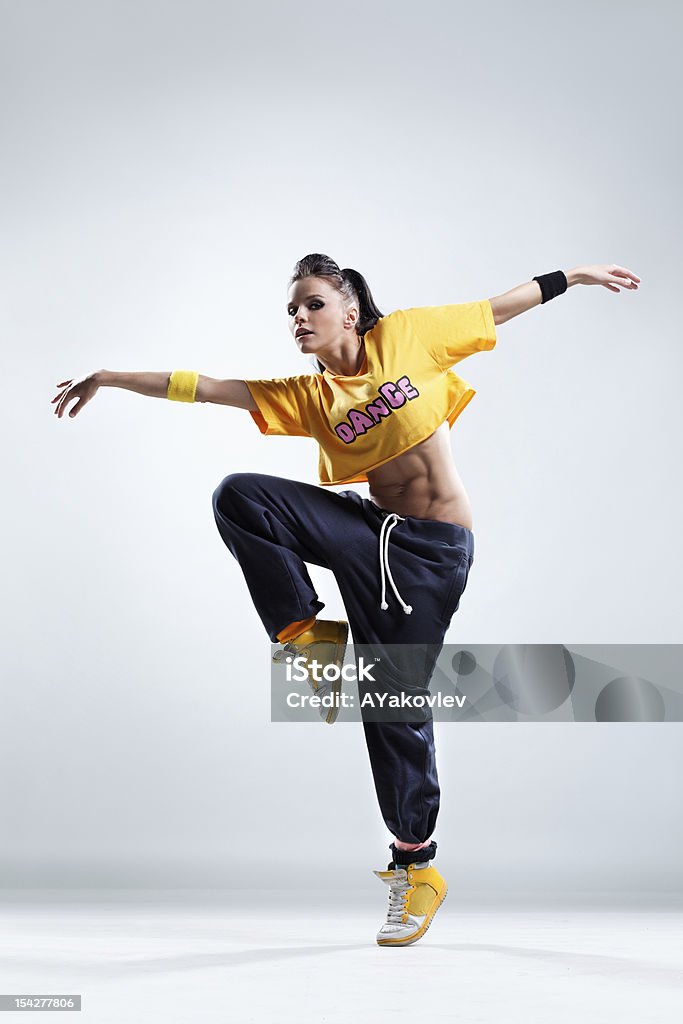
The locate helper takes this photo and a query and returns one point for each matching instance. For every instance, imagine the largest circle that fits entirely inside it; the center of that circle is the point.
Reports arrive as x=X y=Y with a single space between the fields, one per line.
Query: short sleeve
x=285 y=405
x=451 y=333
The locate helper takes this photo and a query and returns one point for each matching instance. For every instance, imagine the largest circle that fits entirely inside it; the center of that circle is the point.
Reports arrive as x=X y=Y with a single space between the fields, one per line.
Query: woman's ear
x=351 y=317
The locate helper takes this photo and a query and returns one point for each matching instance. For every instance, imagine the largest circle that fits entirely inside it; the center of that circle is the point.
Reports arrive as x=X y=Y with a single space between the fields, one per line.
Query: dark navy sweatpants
x=274 y=526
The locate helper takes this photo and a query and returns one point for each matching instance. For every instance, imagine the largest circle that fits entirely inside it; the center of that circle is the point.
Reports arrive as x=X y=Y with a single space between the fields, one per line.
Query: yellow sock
x=295 y=629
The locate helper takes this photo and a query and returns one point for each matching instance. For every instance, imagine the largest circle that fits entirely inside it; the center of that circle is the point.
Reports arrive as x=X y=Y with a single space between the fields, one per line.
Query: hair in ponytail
x=349 y=283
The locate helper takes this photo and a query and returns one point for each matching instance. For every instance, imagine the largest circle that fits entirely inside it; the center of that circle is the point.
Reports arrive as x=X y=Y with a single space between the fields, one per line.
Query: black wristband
x=552 y=284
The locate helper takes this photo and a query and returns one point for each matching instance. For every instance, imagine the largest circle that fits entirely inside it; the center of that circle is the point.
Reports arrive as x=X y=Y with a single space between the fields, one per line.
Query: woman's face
x=315 y=306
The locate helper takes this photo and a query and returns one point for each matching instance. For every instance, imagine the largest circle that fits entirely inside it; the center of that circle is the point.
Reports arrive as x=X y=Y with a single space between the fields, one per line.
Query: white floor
x=180 y=956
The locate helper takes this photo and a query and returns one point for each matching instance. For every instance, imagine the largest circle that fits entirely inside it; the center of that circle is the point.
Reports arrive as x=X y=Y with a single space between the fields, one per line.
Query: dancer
x=380 y=404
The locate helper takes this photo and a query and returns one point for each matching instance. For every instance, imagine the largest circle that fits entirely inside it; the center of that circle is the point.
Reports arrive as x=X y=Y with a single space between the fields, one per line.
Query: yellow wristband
x=182 y=385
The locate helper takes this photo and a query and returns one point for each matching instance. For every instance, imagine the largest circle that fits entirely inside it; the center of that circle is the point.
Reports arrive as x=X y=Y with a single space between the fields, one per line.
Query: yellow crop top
x=402 y=393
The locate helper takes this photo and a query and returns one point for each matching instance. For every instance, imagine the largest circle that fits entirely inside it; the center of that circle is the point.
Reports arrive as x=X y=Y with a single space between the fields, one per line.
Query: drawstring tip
x=384 y=606
x=408 y=609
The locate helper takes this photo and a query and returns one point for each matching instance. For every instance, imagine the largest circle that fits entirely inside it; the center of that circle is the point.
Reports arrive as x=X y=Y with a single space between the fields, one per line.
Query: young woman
x=380 y=405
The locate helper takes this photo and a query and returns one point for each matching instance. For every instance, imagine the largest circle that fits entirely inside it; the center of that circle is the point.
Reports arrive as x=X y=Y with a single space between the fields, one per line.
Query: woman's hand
x=83 y=389
x=610 y=276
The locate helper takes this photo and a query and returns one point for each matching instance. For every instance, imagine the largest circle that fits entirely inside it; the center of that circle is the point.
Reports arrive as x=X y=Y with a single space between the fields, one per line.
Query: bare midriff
x=423 y=482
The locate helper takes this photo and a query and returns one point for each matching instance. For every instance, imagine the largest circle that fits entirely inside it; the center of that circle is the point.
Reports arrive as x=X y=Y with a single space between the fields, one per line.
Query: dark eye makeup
x=293 y=309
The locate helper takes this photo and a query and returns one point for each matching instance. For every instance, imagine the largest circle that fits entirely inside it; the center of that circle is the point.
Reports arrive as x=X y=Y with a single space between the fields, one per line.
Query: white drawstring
x=387 y=525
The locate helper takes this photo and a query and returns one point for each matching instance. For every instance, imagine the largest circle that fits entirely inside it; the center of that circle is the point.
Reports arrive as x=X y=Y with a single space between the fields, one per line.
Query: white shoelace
x=397 y=903
x=387 y=526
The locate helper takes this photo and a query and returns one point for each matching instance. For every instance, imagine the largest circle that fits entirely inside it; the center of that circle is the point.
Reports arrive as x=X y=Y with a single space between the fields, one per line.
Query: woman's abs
x=423 y=482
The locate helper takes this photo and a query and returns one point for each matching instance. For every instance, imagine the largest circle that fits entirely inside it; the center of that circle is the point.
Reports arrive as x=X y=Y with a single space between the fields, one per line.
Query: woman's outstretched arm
x=153 y=385
x=526 y=296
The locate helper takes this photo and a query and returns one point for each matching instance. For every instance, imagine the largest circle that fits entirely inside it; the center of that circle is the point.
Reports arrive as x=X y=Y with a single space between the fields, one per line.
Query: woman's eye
x=292 y=310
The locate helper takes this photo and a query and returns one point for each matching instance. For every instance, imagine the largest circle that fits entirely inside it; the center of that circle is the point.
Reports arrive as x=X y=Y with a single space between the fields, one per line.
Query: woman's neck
x=343 y=367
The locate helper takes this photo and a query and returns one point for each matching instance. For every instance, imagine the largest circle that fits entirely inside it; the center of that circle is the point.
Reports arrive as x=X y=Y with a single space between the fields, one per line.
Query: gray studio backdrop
x=165 y=165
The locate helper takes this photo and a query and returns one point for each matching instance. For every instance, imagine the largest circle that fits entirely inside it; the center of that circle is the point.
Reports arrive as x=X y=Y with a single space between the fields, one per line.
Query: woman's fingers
x=625 y=271
x=64 y=397
x=623 y=276
x=61 y=406
x=58 y=399
x=62 y=384
x=612 y=276
x=616 y=278
x=627 y=282
x=623 y=281
x=81 y=392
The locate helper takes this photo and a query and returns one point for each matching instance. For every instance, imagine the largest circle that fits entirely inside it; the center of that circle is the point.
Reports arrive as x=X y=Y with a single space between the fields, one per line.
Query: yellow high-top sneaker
x=415 y=894
x=325 y=642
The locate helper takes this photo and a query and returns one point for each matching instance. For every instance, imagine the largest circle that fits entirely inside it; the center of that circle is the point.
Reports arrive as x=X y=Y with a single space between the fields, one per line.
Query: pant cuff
x=401 y=858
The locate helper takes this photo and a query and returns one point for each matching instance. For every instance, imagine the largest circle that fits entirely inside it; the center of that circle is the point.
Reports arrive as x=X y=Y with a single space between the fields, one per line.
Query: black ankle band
x=401 y=858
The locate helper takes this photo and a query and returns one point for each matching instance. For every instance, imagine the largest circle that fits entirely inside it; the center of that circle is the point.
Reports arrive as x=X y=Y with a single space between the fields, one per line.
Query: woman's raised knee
x=234 y=483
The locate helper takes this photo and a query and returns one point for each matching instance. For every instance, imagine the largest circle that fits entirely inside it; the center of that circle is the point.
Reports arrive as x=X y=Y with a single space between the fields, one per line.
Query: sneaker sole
x=423 y=928
x=340 y=651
